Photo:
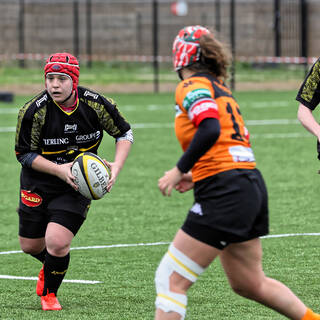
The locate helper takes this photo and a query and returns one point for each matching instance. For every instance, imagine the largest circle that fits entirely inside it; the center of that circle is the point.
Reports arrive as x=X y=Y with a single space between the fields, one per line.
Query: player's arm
x=207 y=134
x=123 y=146
x=307 y=119
x=186 y=183
x=62 y=171
x=120 y=129
x=309 y=97
x=41 y=164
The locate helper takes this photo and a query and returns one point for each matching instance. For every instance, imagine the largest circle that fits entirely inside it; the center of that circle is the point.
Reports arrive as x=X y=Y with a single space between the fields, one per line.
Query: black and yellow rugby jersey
x=309 y=92
x=59 y=136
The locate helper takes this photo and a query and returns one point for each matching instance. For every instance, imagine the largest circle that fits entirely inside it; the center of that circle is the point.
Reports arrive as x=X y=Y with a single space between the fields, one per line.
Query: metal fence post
x=76 y=28
x=89 y=33
x=155 y=44
x=218 y=15
x=21 y=27
x=304 y=33
x=277 y=28
x=233 y=43
x=139 y=33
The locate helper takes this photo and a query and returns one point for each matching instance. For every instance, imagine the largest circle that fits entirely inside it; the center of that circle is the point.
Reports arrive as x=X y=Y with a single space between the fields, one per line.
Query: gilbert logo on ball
x=179 y=8
x=91 y=175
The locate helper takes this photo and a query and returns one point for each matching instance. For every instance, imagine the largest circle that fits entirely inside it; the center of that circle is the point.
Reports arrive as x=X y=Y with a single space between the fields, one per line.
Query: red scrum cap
x=63 y=63
x=186 y=46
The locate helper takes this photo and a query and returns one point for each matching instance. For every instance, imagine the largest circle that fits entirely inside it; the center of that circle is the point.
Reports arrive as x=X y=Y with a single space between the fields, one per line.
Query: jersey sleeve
x=309 y=92
x=197 y=99
x=28 y=130
x=114 y=122
x=110 y=117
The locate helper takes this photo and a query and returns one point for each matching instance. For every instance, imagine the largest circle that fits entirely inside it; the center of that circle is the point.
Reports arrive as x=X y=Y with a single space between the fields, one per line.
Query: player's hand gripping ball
x=91 y=175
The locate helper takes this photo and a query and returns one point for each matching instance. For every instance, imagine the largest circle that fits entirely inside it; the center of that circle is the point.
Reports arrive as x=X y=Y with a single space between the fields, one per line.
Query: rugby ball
x=91 y=175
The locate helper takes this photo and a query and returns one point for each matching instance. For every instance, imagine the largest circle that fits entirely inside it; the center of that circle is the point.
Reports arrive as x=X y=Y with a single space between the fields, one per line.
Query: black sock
x=55 y=269
x=40 y=256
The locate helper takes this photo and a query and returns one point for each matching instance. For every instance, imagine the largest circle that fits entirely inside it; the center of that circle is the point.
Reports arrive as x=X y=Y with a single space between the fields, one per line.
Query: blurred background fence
x=258 y=31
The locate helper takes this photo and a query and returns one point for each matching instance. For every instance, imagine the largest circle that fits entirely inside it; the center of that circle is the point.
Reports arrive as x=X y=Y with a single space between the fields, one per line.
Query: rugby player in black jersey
x=53 y=128
x=309 y=99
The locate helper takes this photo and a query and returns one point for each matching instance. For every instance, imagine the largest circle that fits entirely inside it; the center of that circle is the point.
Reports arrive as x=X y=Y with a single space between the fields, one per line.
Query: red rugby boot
x=50 y=302
x=40 y=282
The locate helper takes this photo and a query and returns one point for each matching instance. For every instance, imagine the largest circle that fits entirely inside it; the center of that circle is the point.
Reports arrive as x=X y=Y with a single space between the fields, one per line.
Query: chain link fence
x=258 y=31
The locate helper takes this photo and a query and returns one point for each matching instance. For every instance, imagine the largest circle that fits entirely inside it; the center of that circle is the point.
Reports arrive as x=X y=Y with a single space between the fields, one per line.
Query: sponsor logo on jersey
x=201 y=106
x=30 y=199
x=44 y=98
x=55 y=141
x=88 y=137
x=70 y=128
x=241 y=154
x=91 y=94
x=194 y=95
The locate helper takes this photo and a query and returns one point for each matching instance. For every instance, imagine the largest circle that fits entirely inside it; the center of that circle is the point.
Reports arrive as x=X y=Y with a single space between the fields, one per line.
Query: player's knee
x=171 y=295
x=58 y=247
x=28 y=249
x=31 y=247
x=248 y=290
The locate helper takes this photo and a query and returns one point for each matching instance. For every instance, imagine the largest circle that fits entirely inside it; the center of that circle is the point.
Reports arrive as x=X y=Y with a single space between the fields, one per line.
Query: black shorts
x=229 y=207
x=38 y=208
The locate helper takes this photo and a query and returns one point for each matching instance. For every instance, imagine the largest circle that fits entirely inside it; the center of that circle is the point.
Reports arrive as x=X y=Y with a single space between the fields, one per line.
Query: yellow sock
x=310 y=315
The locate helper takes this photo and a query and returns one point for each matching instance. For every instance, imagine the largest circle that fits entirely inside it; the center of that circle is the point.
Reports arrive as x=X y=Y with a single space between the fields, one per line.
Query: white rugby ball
x=91 y=175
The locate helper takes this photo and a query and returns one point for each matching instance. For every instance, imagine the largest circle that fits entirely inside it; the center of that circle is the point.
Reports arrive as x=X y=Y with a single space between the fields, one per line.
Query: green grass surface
x=106 y=73
x=135 y=213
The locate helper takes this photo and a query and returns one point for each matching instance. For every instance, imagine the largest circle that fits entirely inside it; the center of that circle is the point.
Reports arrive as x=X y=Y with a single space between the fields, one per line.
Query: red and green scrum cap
x=63 y=63
x=186 y=46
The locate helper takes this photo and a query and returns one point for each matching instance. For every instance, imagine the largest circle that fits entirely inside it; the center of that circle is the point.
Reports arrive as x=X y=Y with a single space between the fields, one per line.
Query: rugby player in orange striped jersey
x=230 y=210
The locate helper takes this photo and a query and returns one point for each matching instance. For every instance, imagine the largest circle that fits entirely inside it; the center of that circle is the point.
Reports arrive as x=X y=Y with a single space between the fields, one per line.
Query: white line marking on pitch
x=103 y=247
x=133 y=245
x=36 y=278
x=271 y=122
x=154 y=125
x=166 y=243
x=266 y=104
x=153 y=107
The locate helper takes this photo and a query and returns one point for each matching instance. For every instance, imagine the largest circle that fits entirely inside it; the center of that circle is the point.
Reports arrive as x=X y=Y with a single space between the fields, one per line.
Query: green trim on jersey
x=194 y=95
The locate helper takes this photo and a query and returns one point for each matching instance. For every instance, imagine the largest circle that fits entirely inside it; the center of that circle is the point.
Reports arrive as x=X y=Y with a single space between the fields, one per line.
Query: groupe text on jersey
x=59 y=136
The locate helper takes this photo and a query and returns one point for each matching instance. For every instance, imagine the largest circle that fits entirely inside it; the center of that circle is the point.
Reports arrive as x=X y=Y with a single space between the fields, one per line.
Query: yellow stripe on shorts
x=182 y=265
x=161 y=295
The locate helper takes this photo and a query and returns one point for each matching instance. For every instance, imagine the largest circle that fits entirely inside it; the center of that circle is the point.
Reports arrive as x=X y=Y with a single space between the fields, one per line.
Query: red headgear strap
x=63 y=63
x=186 y=47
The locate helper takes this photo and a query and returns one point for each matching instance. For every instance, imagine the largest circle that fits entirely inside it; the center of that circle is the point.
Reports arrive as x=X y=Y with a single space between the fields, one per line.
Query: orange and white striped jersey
x=203 y=96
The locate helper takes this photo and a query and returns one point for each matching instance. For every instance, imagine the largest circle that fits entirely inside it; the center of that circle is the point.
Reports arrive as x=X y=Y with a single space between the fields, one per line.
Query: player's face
x=59 y=86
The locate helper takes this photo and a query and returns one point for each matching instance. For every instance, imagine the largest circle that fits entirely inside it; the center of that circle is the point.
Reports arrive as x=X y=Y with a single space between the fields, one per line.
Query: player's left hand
x=64 y=173
x=114 y=173
x=185 y=184
x=170 y=179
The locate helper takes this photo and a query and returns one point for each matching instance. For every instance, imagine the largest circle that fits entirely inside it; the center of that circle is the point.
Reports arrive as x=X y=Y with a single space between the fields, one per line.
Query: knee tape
x=174 y=261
